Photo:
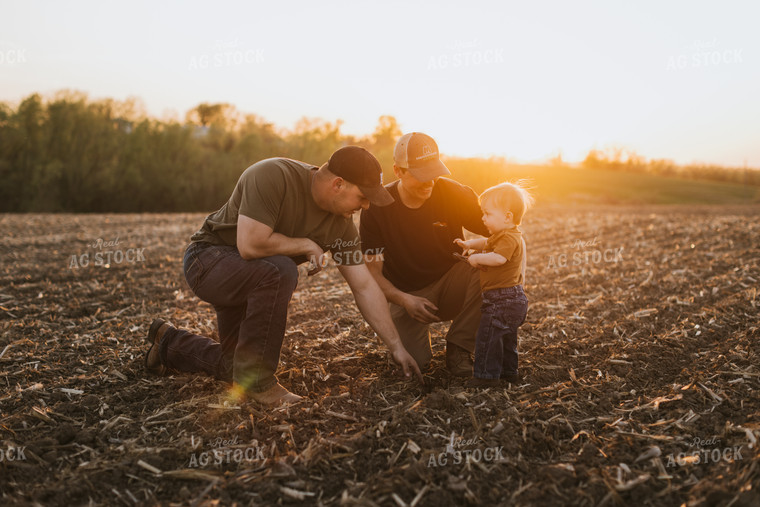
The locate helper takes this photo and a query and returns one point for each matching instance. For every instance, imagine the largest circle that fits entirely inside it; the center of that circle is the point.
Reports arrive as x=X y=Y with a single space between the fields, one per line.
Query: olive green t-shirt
x=277 y=193
x=509 y=244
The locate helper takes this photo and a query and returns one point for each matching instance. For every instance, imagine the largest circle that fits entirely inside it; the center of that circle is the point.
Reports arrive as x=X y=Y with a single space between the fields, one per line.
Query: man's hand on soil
x=407 y=363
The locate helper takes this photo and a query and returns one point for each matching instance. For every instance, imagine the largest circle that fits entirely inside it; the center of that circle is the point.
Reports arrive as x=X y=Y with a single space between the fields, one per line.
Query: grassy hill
x=565 y=184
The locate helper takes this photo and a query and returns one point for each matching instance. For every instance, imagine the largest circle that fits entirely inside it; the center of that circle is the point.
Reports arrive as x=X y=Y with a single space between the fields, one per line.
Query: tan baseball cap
x=418 y=153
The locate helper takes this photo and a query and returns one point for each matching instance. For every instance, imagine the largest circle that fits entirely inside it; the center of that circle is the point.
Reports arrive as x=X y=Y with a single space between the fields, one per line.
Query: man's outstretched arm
x=374 y=307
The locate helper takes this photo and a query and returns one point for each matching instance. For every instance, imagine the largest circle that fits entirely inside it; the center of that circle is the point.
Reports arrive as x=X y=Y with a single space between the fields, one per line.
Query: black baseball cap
x=418 y=153
x=360 y=167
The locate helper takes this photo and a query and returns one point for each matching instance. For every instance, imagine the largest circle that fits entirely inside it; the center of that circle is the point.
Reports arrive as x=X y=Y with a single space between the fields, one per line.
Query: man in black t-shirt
x=413 y=245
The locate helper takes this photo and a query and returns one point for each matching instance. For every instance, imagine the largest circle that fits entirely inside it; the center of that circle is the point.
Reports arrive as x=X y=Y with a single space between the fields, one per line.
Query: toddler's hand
x=462 y=244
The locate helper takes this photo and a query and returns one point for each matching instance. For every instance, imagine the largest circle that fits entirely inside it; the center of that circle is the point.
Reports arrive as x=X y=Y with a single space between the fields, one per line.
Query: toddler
x=502 y=264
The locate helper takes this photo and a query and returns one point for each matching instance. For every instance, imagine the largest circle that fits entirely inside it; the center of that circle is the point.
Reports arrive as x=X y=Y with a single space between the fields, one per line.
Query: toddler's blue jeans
x=502 y=312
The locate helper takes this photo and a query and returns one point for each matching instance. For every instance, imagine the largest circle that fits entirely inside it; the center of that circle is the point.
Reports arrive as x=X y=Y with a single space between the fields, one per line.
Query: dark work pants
x=251 y=302
x=457 y=296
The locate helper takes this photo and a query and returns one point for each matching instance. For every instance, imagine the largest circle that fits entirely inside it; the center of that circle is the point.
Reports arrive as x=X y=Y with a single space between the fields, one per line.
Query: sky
x=522 y=80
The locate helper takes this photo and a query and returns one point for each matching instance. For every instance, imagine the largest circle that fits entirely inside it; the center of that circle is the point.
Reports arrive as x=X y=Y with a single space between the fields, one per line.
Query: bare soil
x=641 y=366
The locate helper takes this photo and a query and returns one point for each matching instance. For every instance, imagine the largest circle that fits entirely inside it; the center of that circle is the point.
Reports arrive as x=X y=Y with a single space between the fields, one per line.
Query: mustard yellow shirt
x=509 y=244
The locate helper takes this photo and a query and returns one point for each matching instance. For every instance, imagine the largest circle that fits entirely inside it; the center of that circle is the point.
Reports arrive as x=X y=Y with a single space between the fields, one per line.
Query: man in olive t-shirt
x=275 y=193
x=243 y=261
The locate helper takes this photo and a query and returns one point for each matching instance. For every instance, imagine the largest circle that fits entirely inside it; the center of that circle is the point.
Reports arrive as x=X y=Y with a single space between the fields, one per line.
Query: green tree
x=313 y=140
x=22 y=143
x=384 y=140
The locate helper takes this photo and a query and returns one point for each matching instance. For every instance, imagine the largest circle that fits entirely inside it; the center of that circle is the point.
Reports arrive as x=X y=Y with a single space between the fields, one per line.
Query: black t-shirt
x=416 y=244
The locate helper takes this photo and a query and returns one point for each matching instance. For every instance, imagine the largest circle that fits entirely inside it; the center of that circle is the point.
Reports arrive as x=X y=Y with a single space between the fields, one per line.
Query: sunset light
x=527 y=81
x=379 y=253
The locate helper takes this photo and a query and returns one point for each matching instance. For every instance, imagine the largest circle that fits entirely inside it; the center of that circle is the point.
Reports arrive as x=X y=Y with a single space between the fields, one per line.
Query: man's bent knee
x=287 y=270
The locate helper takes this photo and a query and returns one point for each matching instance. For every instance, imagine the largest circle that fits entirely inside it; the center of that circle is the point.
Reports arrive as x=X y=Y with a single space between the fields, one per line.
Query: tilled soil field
x=640 y=362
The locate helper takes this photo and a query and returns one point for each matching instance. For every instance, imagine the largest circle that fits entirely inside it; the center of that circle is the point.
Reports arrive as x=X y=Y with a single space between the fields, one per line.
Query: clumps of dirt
x=639 y=367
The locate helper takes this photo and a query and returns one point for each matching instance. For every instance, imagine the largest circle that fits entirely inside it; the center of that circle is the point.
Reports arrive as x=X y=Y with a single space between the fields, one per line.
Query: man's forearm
x=279 y=244
x=373 y=306
x=391 y=293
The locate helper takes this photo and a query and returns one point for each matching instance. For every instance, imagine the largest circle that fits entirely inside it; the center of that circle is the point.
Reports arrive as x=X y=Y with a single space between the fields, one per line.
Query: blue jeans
x=251 y=302
x=502 y=312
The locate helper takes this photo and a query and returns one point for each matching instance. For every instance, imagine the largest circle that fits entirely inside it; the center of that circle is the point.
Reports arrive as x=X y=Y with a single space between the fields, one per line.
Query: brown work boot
x=275 y=395
x=152 y=358
x=483 y=382
x=458 y=361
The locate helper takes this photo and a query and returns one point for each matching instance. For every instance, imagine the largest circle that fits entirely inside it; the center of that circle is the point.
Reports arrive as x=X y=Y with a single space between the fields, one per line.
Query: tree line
x=72 y=154
x=619 y=159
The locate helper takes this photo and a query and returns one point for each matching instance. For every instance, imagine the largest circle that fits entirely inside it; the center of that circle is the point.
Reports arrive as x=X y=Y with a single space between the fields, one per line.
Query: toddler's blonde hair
x=513 y=197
